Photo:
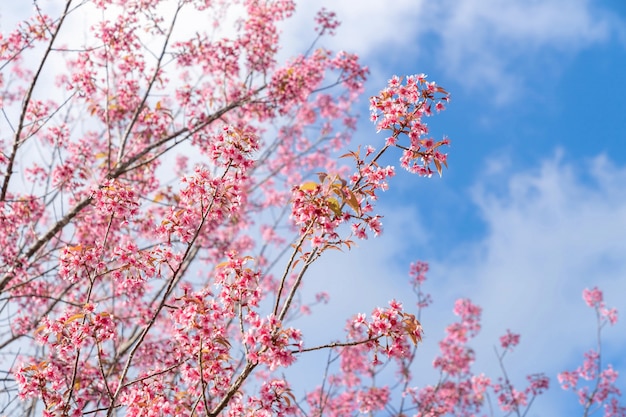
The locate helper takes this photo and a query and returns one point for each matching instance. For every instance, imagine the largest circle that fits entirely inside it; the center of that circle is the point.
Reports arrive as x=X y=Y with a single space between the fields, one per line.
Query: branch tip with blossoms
x=319 y=208
x=599 y=391
x=326 y=22
x=400 y=109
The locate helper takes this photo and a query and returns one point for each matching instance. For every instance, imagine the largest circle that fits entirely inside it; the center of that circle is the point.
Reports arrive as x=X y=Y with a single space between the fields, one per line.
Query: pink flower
x=326 y=22
x=593 y=297
x=509 y=340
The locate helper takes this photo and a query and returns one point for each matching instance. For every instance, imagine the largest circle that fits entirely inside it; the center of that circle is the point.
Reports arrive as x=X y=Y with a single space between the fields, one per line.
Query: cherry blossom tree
x=165 y=188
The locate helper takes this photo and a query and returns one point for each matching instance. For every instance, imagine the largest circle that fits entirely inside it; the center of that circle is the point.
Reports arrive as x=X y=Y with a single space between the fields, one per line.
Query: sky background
x=532 y=209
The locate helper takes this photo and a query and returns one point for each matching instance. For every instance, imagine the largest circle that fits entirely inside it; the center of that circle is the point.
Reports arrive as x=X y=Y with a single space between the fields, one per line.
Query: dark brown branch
x=140 y=107
x=29 y=94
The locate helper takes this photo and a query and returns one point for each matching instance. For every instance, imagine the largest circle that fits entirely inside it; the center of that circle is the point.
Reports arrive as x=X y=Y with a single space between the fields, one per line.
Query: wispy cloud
x=551 y=231
x=366 y=27
x=485 y=45
x=491 y=44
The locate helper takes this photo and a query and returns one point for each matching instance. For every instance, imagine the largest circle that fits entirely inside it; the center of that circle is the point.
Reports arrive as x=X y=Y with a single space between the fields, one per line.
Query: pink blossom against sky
x=533 y=207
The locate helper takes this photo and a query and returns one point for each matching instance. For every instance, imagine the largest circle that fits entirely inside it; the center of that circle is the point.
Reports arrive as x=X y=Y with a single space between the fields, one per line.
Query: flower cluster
x=65 y=337
x=387 y=331
x=326 y=22
x=595 y=299
x=373 y=399
x=509 y=340
x=204 y=203
x=510 y=399
x=17 y=215
x=35 y=29
x=400 y=109
x=81 y=261
x=239 y=284
x=233 y=147
x=417 y=275
x=260 y=34
x=318 y=208
x=601 y=391
x=116 y=199
x=267 y=342
x=456 y=357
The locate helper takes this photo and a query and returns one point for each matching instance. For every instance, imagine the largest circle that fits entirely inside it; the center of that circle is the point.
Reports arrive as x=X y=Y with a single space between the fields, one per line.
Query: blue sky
x=533 y=207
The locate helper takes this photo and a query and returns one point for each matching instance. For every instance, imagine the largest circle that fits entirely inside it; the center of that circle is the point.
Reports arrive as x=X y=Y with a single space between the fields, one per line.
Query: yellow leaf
x=353 y=203
x=221 y=265
x=413 y=327
x=308 y=186
x=74 y=318
x=333 y=204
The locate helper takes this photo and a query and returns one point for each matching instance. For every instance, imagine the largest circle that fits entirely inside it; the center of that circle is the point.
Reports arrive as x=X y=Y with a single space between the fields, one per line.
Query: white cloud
x=554 y=231
x=366 y=27
x=486 y=45
x=551 y=231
